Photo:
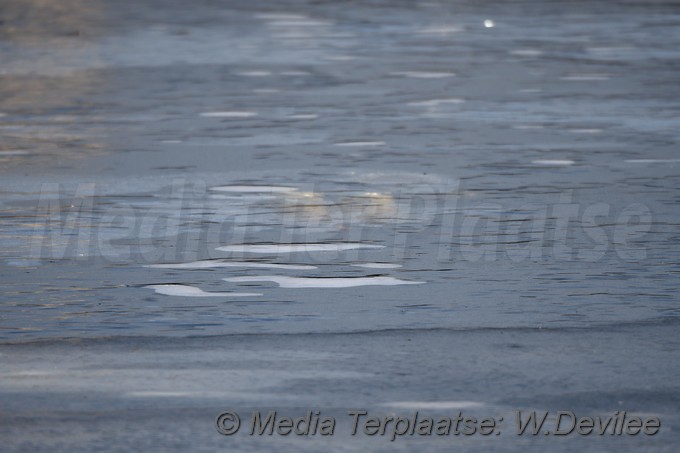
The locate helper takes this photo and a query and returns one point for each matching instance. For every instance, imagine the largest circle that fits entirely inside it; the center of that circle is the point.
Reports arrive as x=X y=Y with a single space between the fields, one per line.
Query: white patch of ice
x=192 y=291
x=214 y=264
x=294 y=248
x=325 y=282
x=377 y=265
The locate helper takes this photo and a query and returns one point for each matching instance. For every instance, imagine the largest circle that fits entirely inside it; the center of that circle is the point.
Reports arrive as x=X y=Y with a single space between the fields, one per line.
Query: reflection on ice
x=192 y=291
x=324 y=282
x=294 y=248
x=217 y=263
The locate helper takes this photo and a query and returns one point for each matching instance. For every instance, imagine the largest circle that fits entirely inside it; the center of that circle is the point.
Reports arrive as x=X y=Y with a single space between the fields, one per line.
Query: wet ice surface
x=203 y=150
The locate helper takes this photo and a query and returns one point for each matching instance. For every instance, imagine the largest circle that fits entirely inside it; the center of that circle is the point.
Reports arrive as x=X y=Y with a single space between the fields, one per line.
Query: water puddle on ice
x=218 y=263
x=295 y=248
x=324 y=282
x=192 y=291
